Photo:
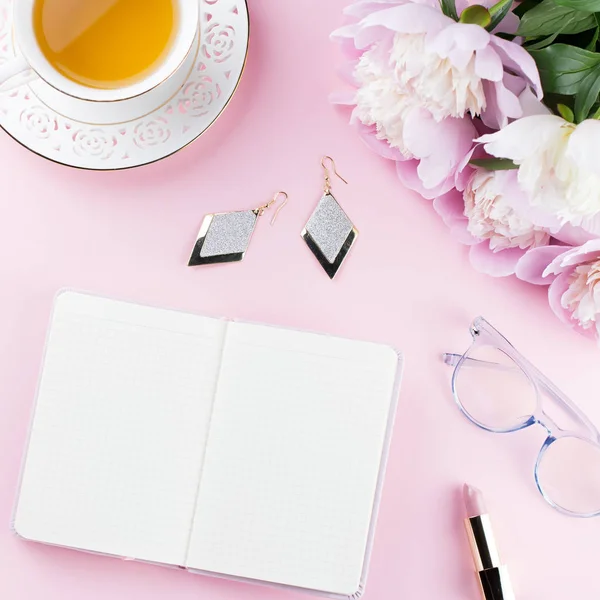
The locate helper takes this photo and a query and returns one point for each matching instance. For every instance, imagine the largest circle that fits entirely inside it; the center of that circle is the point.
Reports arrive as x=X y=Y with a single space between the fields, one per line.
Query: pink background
x=407 y=282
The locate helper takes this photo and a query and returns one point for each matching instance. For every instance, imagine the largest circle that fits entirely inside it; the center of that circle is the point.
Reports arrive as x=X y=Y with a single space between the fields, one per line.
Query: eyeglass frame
x=484 y=334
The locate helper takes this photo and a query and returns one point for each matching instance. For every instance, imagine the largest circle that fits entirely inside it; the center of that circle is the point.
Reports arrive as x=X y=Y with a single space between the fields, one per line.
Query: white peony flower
x=409 y=78
x=582 y=297
x=559 y=165
x=490 y=198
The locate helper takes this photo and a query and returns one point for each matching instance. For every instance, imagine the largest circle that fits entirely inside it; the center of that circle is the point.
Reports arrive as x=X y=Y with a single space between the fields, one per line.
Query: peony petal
x=492 y=117
x=408 y=18
x=407 y=173
x=555 y=293
x=460 y=57
x=530 y=105
x=368 y=135
x=515 y=83
x=345 y=98
x=532 y=265
x=445 y=167
x=443 y=160
x=347 y=32
x=508 y=102
x=588 y=251
x=369 y=36
x=518 y=60
x=349 y=50
x=433 y=172
x=421 y=133
x=458 y=42
x=496 y=264
x=573 y=236
x=469 y=36
x=488 y=64
x=364 y=8
x=451 y=207
x=519 y=201
x=502 y=101
x=461 y=233
x=463 y=172
x=509 y=24
x=583 y=145
x=591 y=225
x=346 y=72
x=522 y=137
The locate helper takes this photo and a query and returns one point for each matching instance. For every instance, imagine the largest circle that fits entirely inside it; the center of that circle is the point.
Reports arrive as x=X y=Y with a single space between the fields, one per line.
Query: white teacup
x=33 y=58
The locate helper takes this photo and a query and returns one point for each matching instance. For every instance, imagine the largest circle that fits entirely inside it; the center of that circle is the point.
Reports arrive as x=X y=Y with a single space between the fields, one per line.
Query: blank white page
x=120 y=428
x=293 y=458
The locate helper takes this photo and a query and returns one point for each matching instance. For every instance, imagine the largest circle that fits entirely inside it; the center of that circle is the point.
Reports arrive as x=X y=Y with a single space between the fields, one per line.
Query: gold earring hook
x=327 y=173
x=270 y=203
x=280 y=207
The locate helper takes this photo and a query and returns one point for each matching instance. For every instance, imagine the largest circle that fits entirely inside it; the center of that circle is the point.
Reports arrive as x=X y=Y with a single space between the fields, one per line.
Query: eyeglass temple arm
x=549 y=388
x=453 y=359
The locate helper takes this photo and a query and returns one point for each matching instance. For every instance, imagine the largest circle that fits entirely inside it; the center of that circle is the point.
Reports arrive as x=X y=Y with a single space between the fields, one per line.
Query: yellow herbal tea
x=105 y=44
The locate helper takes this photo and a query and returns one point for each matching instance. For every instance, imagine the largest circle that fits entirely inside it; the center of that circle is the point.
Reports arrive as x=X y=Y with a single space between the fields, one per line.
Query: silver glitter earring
x=329 y=233
x=225 y=237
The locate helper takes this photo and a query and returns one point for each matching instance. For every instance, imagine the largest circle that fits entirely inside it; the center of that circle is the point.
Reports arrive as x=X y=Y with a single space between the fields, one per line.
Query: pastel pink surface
x=407 y=282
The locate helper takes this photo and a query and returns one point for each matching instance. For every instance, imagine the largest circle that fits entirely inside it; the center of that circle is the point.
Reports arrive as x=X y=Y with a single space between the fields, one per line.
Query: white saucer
x=121 y=135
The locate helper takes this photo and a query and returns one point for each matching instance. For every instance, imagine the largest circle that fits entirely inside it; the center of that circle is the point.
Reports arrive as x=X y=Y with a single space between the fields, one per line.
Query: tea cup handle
x=14 y=73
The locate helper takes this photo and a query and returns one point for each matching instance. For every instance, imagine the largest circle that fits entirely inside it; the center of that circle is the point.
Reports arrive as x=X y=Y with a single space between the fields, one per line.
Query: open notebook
x=228 y=448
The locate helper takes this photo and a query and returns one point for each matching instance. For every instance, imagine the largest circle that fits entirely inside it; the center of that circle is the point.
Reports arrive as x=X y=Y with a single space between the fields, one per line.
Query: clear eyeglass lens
x=493 y=389
x=569 y=475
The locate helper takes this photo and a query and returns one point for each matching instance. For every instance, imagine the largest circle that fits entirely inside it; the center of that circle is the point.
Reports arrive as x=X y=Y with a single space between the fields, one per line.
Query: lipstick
x=492 y=574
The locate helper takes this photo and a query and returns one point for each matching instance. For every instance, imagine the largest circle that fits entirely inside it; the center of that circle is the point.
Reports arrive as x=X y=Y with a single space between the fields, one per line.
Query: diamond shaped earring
x=225 y=237
x=329 y=233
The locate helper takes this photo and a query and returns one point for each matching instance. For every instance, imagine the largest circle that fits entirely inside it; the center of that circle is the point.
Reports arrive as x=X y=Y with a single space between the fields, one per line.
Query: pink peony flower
x=574 y=278
x=486 y=216
x=419 y=78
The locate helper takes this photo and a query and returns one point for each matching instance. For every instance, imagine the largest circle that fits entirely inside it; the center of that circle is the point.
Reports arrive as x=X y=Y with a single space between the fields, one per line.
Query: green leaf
x=594 y=41
x=494 y=164
x=449 y=9
x=476 y=15
x=587 y=95
x=566 y=113
x=589 y=5
x=498 y=12
x=592 y=45
x=522 y=7
x=542 y=43
x=563 y=68
x=547 y=18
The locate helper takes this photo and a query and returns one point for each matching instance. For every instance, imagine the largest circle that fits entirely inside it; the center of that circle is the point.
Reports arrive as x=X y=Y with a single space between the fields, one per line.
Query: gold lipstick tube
x=493 y=575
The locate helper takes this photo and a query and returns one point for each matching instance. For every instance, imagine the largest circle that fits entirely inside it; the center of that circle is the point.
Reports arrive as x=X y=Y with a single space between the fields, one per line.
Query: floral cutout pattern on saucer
x=329 y=233
x=225 y=237
x=120 y=135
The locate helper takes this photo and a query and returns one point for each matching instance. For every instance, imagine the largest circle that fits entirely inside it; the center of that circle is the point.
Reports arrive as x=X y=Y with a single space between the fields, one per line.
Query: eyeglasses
x=500 y=391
